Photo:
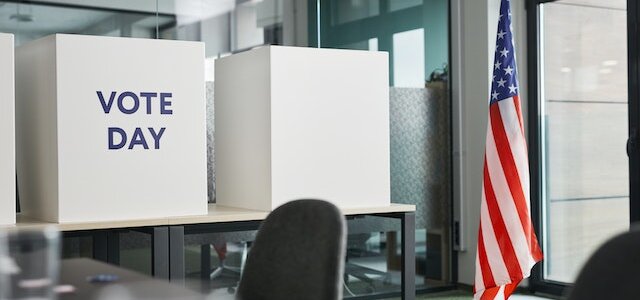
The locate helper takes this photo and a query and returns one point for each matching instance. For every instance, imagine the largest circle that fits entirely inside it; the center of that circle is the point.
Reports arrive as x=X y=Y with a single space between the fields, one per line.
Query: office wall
x=474 y=25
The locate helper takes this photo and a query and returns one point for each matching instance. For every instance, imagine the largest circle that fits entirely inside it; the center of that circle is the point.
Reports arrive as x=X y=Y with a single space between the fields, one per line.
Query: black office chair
x=612 y=272
x=298 y=253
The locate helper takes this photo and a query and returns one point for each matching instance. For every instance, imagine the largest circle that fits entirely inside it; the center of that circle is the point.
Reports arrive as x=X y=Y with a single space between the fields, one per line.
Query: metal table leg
x=408 y=221
x=100 y=242
x=160 y=252
x=176 y=254
x=205 y=261
x=113 y=247
x=106 y=246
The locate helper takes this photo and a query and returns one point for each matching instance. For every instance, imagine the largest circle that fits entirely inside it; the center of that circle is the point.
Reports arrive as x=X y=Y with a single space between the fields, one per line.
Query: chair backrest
x=612 y=272
x=298 y=253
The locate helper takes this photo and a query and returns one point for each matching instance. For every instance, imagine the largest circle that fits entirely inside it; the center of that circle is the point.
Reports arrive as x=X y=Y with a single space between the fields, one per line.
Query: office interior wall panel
x=36 y=134
x=420 y=156
x=330 y=126
x=211 y=159
x=420 y=152
x=7 y=132
x=243 y=130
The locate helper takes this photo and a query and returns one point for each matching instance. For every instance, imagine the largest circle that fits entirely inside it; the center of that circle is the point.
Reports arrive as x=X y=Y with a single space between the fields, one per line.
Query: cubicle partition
x=421 y=173
x=7 y=132
x=116 y=138
x=302 y=123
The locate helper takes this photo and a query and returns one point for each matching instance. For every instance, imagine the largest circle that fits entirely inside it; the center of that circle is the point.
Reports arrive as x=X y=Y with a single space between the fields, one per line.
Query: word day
x=131 y=103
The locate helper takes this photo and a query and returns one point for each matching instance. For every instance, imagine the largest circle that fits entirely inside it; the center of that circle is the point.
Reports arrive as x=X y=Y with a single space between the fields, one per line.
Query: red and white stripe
x=507 y=244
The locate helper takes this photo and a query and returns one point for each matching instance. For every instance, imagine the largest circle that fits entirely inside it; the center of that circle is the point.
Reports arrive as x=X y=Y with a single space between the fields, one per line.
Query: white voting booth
x=297 y=123
x=7 y=133
x=110 y=128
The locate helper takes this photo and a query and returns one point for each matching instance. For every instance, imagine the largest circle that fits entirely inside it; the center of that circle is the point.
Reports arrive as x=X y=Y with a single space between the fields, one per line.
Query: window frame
x=537 y=282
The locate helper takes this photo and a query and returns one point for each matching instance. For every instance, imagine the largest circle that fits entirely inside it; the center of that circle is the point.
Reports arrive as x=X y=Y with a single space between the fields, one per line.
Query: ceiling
x=41 y=20
x=46 y=18
x=186 y=8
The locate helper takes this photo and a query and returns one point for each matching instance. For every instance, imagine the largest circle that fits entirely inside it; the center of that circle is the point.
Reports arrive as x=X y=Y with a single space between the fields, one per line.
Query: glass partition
x=415 y=33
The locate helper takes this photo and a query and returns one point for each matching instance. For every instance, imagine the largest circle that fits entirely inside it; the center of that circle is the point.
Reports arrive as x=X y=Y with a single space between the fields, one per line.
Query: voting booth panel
x=297 y=123
x=111 y=128
x=7 y=132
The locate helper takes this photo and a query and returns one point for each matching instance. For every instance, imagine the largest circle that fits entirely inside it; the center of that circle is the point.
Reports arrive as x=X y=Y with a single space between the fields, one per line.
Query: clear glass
x=6 y=267
x=415 y=34
x=34 y=263
x=354 y=10
x=403 y=4
x=373 y=264
x=222 y=258
x=408 y=58
x=29 y=21
x=583 y=130
x=224 y=26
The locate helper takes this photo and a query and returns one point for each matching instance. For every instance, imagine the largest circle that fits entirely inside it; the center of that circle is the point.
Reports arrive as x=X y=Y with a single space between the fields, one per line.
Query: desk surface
x=138 y=286
x=216 y=214
x=219 y=213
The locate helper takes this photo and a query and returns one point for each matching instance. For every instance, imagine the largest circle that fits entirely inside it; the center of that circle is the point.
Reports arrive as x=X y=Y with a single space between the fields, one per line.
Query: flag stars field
x=508 y=70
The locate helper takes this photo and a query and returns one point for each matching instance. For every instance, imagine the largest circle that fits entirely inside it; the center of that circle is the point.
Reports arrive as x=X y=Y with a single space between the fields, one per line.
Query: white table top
x=216 y=214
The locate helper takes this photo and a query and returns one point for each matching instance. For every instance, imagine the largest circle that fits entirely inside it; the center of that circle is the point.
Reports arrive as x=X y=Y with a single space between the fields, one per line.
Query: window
x=581 y=115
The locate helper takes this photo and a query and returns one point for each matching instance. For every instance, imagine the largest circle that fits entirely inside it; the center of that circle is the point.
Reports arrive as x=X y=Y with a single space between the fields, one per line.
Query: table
x=75 y=271
x=167 y=235
x=226 y=219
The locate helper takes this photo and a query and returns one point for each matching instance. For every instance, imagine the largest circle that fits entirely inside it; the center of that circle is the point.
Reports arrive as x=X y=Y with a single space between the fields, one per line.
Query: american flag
x=507 y=245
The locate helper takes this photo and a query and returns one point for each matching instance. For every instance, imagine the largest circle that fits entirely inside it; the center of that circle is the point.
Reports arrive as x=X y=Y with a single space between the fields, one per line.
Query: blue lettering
x=106 y=107
x=138 y=139
x=123 y=138
x=129 y=102
x=148 y=96
x=157 y=136
x=117 y=137
x=164 y=104
x=136 y=102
